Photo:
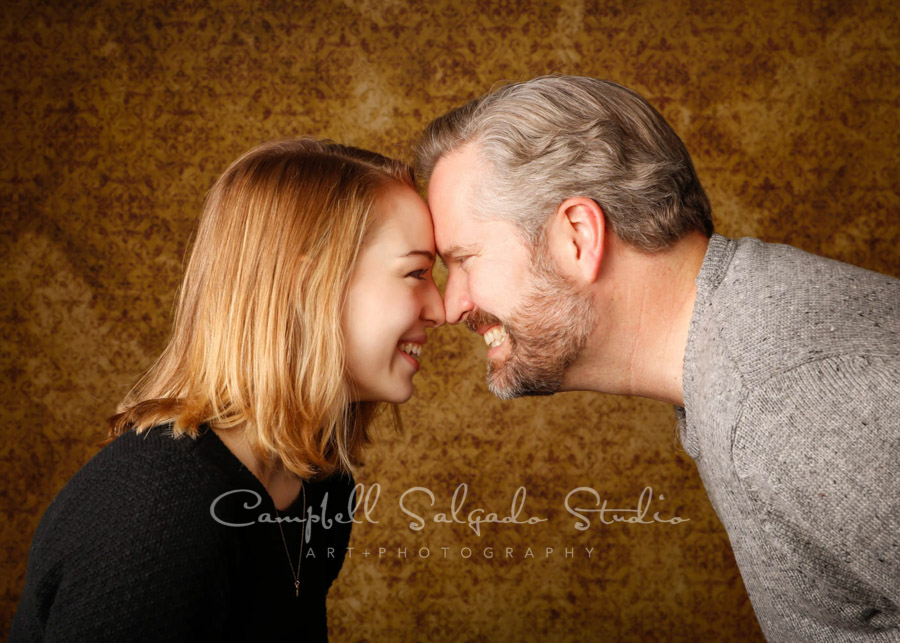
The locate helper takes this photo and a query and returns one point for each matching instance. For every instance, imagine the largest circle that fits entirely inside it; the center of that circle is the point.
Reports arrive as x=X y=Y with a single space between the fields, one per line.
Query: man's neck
x=644 y=305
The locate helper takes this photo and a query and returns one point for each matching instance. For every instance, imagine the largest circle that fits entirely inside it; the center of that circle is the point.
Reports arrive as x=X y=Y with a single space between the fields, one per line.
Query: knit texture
x=792 y=414
x=134 y=549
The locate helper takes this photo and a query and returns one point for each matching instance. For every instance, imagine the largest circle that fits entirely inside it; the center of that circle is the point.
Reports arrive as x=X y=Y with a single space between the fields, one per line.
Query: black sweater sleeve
x=121 y=555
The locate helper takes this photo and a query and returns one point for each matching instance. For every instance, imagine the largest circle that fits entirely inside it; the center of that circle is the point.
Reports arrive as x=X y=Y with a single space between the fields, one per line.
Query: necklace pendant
x=297 y=588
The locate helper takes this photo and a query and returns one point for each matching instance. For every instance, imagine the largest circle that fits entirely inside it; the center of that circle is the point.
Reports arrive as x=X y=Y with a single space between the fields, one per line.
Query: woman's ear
x=575 y=236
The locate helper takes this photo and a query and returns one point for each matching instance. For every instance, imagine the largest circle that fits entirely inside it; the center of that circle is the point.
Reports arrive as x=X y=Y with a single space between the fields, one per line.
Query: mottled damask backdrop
x=118 y=116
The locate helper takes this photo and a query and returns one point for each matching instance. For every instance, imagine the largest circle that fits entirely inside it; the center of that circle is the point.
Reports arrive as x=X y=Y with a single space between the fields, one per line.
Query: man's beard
x=546 y=334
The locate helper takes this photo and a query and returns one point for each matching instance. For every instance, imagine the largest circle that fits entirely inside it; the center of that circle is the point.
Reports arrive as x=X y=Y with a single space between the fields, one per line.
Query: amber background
x=118 y=116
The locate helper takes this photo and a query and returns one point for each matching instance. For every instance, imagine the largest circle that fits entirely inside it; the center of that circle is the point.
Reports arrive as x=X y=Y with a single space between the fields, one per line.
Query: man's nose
x=456 y=299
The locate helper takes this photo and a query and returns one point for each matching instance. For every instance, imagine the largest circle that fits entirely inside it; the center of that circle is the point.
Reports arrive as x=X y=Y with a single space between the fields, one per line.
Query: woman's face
x=392 y=299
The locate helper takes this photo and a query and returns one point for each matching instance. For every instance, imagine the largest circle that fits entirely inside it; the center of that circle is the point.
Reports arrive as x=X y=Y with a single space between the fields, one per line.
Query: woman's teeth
x=415 y=350
x=495 y=336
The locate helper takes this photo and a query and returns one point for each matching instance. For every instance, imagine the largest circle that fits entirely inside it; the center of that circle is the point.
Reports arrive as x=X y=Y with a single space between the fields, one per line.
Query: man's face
x=531 y=317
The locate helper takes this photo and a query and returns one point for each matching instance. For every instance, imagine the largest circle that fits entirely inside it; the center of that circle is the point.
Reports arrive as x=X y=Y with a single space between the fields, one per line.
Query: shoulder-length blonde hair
x=257 y=339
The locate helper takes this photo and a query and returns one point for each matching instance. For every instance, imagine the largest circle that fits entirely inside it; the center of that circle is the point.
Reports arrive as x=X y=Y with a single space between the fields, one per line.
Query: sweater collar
x=715 y=264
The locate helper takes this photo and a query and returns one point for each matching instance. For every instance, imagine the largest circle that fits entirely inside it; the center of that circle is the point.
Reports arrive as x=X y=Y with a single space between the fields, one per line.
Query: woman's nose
x=433 y=308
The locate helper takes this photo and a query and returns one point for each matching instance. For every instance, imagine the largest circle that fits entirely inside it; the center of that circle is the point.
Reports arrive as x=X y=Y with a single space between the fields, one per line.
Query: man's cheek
x=487 y=296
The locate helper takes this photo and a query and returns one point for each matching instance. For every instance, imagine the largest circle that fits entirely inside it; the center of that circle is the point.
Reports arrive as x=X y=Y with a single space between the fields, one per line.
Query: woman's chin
x=405 y=396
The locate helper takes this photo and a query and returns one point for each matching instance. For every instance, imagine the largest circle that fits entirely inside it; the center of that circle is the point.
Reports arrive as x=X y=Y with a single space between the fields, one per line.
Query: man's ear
x=576 y=237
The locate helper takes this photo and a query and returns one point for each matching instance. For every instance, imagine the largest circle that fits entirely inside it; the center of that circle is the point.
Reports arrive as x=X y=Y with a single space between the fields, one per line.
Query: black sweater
x=134 y=549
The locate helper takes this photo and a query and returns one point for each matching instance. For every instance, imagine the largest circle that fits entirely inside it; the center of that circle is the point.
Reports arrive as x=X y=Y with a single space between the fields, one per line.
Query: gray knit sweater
x=792 y=414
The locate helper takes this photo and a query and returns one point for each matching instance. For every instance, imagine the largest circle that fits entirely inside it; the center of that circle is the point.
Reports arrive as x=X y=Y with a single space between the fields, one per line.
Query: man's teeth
x=411 y=349
x=495 y=336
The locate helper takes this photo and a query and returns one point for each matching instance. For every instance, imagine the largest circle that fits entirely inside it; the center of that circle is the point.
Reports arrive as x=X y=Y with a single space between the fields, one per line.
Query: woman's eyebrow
x=425 y=253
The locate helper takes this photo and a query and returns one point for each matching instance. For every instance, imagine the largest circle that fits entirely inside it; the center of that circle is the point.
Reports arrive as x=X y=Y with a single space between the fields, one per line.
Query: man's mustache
x=478 y=319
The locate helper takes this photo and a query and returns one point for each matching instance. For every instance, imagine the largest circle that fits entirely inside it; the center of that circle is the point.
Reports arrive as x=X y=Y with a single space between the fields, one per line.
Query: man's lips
x=481 y=330
x=480 y=322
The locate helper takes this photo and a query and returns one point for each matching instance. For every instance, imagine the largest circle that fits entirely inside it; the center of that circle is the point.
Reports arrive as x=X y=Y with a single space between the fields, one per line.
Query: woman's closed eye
x=419 y=274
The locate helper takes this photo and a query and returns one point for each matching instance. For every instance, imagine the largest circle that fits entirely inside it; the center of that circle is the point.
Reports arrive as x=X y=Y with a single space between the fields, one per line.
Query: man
x=579 y=244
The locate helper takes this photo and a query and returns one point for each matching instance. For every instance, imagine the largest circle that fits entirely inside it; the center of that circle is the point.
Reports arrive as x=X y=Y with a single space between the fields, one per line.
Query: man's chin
x=509 y=386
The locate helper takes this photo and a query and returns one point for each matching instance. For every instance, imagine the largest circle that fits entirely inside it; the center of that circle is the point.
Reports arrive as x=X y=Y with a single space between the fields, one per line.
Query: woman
x=222 y=509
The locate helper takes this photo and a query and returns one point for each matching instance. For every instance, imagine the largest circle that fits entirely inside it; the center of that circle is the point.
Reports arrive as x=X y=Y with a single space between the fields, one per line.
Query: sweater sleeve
x=126 y=551
x=817 y=451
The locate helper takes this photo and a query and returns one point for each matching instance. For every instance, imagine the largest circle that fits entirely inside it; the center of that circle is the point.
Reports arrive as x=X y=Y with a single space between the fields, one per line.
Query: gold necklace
x=296 y=574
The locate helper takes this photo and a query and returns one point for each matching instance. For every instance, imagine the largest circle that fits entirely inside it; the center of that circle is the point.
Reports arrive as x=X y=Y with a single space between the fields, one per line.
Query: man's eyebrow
x=425 y=253
x=456 y=251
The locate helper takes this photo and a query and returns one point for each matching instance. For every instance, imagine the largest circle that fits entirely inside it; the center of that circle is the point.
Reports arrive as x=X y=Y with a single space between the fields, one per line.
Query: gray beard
x=546 y=333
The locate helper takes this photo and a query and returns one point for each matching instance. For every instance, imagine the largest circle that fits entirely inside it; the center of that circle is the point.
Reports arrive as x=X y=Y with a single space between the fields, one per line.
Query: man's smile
x=495 y=335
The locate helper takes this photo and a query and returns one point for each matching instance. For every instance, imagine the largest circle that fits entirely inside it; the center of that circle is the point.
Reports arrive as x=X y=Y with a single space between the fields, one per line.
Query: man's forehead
x=450 y=199
x=454 y=175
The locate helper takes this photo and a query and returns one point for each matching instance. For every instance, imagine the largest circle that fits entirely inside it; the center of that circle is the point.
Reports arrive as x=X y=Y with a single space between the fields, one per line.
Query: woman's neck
x=281 y=485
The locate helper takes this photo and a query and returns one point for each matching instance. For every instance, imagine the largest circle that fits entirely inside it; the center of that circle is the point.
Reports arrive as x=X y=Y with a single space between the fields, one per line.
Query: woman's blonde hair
x=257 y=338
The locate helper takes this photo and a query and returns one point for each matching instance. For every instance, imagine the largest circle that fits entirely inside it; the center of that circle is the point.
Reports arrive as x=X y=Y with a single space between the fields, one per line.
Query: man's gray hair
x=556 y=137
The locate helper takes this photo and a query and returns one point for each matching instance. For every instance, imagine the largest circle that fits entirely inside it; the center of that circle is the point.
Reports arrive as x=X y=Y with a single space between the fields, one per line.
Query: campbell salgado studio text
x=363 y=503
